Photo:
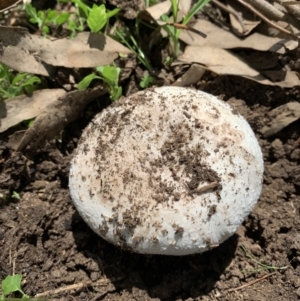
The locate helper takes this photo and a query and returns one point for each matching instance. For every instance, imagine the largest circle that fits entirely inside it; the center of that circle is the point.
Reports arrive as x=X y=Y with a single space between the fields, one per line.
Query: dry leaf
x=293 y=9
x=192 y=76
x=281 y=117
x=221 y=38
x=184 y=6
x=57 y=115
x=15 y=110
x=159 y=9
x=34 y=54
x=250 y=21
x=101 y=42
x=223 y=62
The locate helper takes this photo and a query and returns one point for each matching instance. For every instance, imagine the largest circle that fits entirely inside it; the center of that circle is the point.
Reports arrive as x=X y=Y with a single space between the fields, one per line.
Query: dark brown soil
x=43 y=238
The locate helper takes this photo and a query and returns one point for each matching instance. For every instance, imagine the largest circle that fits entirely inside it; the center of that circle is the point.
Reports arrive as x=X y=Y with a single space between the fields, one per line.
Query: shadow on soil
x=162 y=277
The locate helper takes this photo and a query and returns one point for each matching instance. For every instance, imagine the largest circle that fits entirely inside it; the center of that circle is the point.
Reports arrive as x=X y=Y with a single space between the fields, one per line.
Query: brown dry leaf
x=159 y=9
x=223 y=62
x=292 y=8
x=101 y=42
x=17 y=109
x=34 y=54
x=184 y=6
x=163 y=7
x=221 y=38
x=281 y=117
x=57 y=115
x=192 y=76
x=250 y=21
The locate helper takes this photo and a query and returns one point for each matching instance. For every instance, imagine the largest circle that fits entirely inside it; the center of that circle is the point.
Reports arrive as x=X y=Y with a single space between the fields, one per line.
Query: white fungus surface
x=168 y=170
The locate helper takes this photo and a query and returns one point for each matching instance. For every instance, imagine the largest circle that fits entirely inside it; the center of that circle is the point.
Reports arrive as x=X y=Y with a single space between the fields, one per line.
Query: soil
x=43 y=238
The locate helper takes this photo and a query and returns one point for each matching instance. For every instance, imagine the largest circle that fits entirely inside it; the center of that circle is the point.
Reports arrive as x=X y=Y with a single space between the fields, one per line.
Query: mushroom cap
x=168 y=170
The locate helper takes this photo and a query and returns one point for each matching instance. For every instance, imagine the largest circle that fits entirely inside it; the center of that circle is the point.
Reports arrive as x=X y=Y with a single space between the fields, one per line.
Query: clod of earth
x=169 y=170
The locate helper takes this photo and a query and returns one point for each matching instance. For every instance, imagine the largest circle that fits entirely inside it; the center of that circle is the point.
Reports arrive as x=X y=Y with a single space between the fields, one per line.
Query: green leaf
x=31 y=11
x=51 y=16
x=18 y=79
x=11 y=284
x=116 y=93
x=4 y=94
x=110 y=74
x=86 y=81
x=24 y=80
x=31 y=81
x=146 y=81
x=174 y=5
x=82 y=6
x=112 y=13
x=62 y=18
x=194 y=10
x=97 y=18
x=15 y=195
x=41 y=15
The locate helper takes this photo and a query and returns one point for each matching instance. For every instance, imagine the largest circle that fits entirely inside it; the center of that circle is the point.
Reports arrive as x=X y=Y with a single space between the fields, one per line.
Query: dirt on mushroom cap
x=166 y=171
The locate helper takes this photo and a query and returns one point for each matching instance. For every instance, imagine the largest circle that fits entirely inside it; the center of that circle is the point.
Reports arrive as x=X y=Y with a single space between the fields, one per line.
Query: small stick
x=207 y=187
x=231 y=11
x=250 y=283
x=268 y=9
x=77 y=286
x=272 y=24
x=11 y=6
x=186 y=27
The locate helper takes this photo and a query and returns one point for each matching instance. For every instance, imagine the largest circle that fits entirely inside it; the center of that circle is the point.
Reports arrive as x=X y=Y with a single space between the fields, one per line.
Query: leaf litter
x=220 y=52
x=22 y=107
x=35 y=54
x=57 y=115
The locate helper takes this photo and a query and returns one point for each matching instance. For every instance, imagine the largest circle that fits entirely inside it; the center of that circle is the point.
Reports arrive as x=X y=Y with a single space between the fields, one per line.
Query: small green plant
x=124 y=36
x=110 y=75
x=12 y=284
x=98 y=17
x=12 y=85
x=261 y=265
x=15 y=195
x=95 y=18
x=45 y=19
x=146 y=81
x=174 y=32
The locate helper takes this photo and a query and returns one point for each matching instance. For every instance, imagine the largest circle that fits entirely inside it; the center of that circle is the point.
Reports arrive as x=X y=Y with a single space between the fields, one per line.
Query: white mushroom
x=168 y=170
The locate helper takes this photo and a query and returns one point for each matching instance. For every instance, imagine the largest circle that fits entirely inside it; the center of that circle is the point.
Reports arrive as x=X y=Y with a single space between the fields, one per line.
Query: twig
x=271 y=23
x=250 y=283
x=267 y=8
x=11 y=6
x=207 y=187
x=77 y=286
x=231 y=11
